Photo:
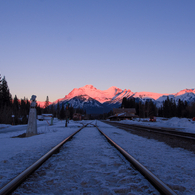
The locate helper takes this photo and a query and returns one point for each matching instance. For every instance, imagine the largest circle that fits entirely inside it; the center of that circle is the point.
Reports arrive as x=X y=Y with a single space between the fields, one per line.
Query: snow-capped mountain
x=91 y=91
x=187 y=95
x=148 y=95
x=99 y=101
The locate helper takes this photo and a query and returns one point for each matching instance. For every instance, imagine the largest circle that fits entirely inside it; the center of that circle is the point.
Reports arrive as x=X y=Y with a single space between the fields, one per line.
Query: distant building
x=77 y=117
x=123 y=113
x=44 y=117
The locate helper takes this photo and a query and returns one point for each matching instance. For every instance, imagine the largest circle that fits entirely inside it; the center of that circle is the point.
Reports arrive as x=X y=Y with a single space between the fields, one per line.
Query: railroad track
x=17 y=181
x=161 y=130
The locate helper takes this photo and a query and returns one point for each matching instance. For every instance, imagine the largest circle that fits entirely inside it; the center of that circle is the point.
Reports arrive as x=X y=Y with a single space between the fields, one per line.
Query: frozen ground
x=181 y=124
x=87 y=164
x=19 y=153
x=174 y=166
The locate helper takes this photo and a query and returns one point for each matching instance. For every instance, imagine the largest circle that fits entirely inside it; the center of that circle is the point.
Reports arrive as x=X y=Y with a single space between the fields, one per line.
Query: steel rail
x=157 y=183
x=13 y=184
x=185 y=135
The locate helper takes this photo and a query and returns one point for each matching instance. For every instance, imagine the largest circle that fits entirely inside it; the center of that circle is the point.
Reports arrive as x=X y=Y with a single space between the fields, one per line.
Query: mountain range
x=97 y=101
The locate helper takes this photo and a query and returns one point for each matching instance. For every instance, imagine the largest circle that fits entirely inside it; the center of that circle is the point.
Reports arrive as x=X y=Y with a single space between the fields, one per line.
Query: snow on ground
x=181 y=124
x=174 y=166
x=2 y=126
x=88 y=164
x=19 y=153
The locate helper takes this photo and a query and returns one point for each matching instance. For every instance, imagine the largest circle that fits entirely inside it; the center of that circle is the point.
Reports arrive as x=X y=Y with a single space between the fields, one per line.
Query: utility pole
x=67 y=114
x=140 y=96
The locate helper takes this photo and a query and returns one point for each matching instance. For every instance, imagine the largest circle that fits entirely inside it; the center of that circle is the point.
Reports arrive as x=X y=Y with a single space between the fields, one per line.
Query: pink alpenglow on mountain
x=185 y=91
x=115 y=95
x=97 y=94
x=144 y=94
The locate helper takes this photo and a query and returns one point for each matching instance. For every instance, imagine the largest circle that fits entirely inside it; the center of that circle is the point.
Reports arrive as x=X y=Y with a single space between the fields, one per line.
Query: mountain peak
x=113 y=87
x=89 y=87
x=113 y=91
x=185 y=91
x=91 y=91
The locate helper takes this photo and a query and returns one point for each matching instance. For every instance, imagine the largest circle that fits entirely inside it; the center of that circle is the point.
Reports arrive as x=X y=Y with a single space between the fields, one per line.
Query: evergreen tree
x=179 y=108
x=15 y=111
x=5 y=115
x=0 y=92
x=191 y=109
x=58 y=110
x=22 y=107
x=46 y=110
x=71 y=110
x=167 y=108
x=173 y=108
x=23 y=111
x=6 y=98
x=62 y=112
x=151 y=109
x=128 y=103
x=185 y=112
x=16 y=104
x=39 y=109
x=27 y=106
x=141 y=110
x=5 y=102
x=47 y=102
x=160 y=112
x=124 y=102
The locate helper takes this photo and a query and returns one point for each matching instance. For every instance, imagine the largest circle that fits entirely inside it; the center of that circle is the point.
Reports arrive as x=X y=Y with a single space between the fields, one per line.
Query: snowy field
x=87 y=164
x=180 y=124
x=174 y=166
x=19 y=153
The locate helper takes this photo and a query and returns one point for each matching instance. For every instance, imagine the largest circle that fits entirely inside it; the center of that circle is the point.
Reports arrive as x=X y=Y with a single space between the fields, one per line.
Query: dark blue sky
x=50 y=47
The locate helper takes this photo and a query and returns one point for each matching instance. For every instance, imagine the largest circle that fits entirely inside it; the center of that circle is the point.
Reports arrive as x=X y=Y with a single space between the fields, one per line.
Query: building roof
x=124 y=110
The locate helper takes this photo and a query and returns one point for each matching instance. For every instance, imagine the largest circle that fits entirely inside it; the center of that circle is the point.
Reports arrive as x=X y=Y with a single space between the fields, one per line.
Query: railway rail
x=156 y=182
x=161 y=130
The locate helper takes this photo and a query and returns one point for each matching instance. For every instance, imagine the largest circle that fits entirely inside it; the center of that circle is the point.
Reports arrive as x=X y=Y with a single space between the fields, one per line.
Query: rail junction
x=170 y=136
x=59 y=152
x=160 y=130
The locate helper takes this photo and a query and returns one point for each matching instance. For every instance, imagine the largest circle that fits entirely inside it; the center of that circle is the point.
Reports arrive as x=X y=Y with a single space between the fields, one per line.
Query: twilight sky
x=49 y=47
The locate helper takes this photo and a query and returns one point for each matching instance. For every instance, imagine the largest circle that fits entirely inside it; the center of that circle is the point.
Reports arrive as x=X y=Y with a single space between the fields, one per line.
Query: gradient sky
x=49 y=47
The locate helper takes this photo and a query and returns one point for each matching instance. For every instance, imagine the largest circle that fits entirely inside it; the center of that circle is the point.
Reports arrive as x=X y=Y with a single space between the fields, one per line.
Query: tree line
x=181 y=109
x=168 y=109
x=10 y=107
x=12 y=111
x=20 y=108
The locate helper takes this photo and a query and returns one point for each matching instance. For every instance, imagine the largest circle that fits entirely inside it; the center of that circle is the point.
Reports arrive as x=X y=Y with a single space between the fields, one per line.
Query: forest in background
x=15 y=111
x=168 y=109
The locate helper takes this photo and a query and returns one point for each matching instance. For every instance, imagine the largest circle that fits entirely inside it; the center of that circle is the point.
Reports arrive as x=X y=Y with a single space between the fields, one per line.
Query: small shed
x=77 y=116
x=123 y=113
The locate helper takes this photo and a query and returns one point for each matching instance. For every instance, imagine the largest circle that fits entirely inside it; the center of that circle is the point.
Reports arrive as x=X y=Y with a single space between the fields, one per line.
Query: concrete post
x=51 y=120
x=32 y=119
